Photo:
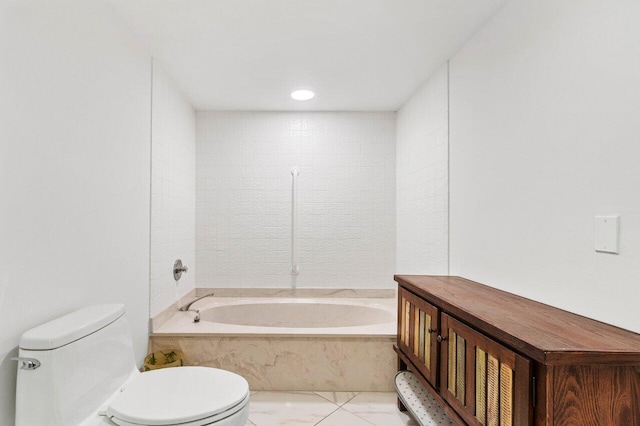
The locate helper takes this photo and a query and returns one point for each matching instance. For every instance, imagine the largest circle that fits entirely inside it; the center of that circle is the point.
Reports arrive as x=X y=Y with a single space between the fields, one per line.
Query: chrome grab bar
x=295 y=268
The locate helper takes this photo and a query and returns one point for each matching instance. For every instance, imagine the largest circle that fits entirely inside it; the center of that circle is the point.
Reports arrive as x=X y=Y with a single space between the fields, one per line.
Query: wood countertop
x=546 y=334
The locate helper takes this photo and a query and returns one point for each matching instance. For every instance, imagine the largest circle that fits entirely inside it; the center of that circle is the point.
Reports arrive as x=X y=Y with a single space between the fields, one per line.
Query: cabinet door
x=486 y=383
x=417 y=333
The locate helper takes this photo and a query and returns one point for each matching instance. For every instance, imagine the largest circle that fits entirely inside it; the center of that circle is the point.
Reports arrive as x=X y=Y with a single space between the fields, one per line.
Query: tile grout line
x=356 y=414
x=373 y=424
x=344 y=409
x=339 y=406
x=357 y=393
x=308 y=392
x=362 y=418
x=325 y=417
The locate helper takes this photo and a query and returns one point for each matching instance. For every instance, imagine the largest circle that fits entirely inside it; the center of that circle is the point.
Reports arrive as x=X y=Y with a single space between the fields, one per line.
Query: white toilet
x=80 y=370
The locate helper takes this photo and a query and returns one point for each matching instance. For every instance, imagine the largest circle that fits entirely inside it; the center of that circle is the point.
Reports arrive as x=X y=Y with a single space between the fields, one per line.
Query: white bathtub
x=297 y=314
x=286 y=316
x=340 y=342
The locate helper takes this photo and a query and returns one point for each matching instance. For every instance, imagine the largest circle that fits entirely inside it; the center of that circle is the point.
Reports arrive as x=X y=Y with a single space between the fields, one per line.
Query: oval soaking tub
x=297 y=314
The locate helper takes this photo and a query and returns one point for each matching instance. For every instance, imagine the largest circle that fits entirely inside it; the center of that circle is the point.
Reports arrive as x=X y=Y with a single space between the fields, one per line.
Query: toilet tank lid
x=71 y=327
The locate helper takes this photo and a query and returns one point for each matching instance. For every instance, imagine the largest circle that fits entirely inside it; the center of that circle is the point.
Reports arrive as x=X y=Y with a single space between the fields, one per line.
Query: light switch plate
x=607 y=230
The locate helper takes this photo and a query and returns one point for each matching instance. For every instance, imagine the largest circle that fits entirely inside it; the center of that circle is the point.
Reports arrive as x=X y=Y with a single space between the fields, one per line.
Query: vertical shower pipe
x=295 y=269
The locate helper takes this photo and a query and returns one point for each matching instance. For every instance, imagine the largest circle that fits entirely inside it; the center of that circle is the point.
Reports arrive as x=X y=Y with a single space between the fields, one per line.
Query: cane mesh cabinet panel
x=417 y=331
x=494 y=358
x=481 y=377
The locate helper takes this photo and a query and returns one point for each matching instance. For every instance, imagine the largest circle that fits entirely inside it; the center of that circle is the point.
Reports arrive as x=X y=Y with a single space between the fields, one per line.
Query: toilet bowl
x=190 y=396
x=79 y=370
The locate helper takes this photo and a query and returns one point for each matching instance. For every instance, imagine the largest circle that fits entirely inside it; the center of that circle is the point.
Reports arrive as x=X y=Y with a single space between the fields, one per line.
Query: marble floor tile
x=379 y=408
x=250 y=423
x=342 y=417
x=289 y=408
x=338 y=398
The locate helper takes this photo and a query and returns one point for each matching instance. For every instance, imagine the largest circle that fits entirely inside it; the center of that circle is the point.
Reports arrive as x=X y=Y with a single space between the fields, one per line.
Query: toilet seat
x=189 y=396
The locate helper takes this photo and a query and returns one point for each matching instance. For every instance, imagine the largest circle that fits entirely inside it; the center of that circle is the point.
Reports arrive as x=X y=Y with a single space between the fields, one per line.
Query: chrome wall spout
x=188 y=305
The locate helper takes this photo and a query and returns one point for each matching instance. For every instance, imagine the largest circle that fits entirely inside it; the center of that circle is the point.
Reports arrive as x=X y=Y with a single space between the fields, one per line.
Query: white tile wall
x=422 y=180
x=346 y=199
x=172 y=192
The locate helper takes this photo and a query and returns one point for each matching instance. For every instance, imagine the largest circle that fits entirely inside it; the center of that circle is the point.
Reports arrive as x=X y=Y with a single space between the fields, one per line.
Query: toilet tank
x=85 y=357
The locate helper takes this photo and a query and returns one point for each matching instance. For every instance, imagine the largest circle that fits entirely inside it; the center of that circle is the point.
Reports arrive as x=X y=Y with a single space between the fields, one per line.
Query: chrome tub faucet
x=188 y=305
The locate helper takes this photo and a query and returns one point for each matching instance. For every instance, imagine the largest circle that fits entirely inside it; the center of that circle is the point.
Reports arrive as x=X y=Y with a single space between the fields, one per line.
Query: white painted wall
x=173 y=191
x=346 y=194
x=74 y=170
x=545 y=134
x=422 y=180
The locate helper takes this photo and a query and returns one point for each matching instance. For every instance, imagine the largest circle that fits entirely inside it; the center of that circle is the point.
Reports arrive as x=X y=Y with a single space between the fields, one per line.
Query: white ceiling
x=357 y=55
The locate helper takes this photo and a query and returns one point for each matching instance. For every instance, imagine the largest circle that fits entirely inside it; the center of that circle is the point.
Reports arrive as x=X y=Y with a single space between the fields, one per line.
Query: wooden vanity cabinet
x=494 y=358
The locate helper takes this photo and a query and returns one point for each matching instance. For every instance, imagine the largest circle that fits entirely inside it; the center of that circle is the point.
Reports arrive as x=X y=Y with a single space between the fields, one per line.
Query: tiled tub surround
x=173 y=192
x=345 y=192
x=319 y=358
x=422 y=179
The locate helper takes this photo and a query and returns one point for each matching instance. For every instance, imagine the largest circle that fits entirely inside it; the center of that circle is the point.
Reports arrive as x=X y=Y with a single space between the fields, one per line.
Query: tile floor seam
x=347 y=411
x=327 y=399
x=339 y=405
x=373 y=424
x=362 y=418
x=325 y=418
x=369 y=409
x=334 y=406
x=355 y=414
x=347 y=401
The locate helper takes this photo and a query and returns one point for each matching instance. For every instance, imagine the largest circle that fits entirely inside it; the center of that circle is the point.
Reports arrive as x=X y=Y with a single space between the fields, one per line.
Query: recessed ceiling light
x=302 y=95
